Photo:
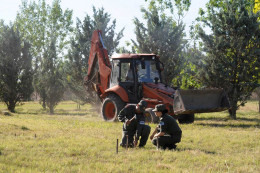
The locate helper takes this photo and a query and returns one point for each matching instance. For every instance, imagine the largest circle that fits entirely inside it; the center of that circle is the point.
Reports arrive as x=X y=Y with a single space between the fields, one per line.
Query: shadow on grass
x=242 y=121
x=47 y=113
x=230 y=125
x=77 y=114
x=153 y=148
x=249 y=119
x=190 y=149
x=211 y=118
x=227 y=119
x=60 y=112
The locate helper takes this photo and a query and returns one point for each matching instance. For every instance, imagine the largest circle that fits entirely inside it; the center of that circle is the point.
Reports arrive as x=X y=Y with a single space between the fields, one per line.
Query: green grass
x=80 y=141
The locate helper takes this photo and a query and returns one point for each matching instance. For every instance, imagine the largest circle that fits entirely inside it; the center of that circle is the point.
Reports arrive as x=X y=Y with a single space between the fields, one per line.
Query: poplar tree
x=52 y=79
x=45 y=26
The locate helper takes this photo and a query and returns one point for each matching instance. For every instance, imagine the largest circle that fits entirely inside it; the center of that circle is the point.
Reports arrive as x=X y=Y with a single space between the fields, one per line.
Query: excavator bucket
x=200 y=101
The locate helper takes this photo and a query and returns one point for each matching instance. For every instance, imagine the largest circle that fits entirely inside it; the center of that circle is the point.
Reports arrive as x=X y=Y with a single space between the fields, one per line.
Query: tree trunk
x=259 y=104
x=233 y=112
x=233 y=108
x=233 y=103
x=51 y=107
x=257 y=91
x=43 y=103
x=11 y=106
x=78 y=105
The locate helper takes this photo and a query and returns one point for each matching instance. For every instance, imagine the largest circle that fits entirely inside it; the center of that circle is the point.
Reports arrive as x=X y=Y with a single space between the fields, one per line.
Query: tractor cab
x=131 y=70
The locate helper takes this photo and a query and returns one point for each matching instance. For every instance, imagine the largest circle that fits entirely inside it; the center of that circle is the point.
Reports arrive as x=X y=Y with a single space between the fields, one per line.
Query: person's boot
x=122 y=145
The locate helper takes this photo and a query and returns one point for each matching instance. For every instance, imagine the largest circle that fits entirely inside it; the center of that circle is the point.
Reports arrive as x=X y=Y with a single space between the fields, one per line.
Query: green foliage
x=15 y=68
x=221 y=3
x=179 y=5
x=232 y=60
x=187 y=78
x=257 y=6
x=51 y=77
x=163 y=36
x=40 y=23
x=78 y=54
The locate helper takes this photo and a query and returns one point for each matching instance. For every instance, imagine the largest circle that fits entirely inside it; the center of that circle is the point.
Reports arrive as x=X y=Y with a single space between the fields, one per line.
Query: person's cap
x=159 y=108
x=142 y=104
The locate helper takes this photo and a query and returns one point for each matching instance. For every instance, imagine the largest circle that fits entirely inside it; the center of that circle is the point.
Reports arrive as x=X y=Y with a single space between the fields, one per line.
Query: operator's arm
x=129 y=75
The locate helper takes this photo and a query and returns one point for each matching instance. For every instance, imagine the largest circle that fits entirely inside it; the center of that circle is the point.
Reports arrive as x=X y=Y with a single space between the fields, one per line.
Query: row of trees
x=58 y=51
x=42 y=49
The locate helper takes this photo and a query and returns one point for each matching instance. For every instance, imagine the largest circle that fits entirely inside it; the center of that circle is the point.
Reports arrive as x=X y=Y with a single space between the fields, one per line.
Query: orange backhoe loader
x=129 y=78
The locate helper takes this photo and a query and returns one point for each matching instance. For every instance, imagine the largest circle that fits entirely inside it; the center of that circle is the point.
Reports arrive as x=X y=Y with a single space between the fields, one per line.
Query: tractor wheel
x=186 y=118
x=111 y=107
x=150 y=116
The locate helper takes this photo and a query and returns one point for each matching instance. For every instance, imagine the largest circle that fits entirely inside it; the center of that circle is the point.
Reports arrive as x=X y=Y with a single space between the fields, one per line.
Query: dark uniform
x=137 y=126
x=172 y=131
x=142 y=130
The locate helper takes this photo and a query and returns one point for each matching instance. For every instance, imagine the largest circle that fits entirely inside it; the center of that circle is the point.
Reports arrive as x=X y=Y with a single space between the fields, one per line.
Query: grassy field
x=80 y=141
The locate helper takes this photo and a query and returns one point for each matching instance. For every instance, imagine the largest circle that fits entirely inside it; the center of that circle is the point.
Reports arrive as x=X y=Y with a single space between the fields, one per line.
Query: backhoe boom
x=99 y=69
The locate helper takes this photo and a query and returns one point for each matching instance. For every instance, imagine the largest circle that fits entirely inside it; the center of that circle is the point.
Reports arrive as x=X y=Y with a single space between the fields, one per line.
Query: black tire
x=111 y=107
x=150 y=116
x=186 y=118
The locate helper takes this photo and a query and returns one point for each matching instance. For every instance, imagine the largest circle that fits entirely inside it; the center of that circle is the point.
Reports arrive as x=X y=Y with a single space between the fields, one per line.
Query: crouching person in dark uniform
x=168 y=132
x=134 y=124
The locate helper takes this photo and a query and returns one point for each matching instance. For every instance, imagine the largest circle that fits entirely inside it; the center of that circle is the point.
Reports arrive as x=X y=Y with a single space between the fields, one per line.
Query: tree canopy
x=257 y=6
x=232 y=50
x=39 y=22
x=15 y=67
x=175 y=6
x=161 y=35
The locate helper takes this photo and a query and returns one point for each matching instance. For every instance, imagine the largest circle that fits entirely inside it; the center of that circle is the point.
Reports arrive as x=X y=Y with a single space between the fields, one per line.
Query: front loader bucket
x=200 y=101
